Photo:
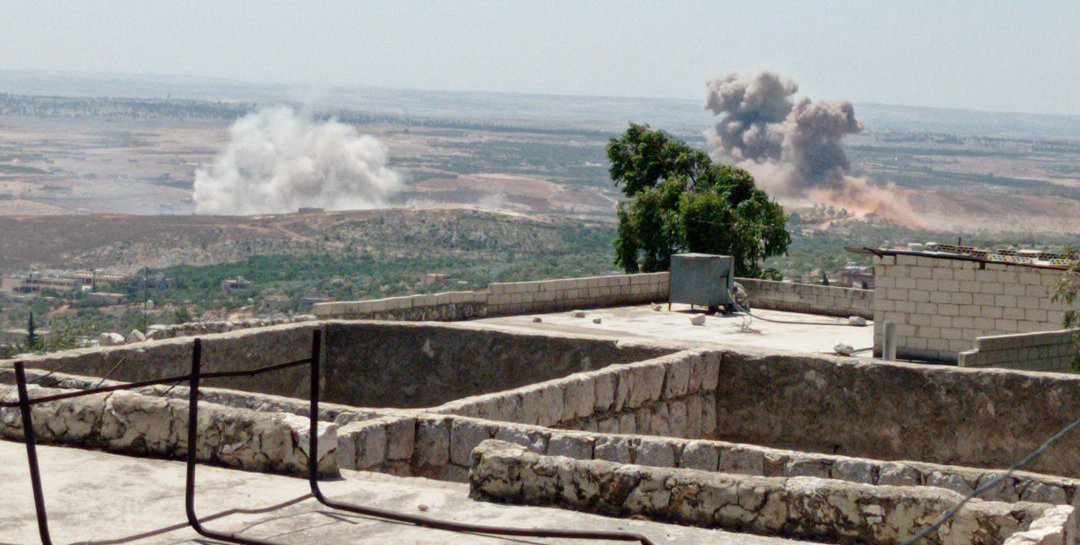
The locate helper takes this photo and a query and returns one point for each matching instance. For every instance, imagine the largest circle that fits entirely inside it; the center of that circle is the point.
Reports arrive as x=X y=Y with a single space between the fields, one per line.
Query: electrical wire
x=1027 y=460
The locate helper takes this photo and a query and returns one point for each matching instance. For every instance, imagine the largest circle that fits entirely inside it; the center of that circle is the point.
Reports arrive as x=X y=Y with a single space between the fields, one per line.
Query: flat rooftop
x=95 y=497
x=798 y=332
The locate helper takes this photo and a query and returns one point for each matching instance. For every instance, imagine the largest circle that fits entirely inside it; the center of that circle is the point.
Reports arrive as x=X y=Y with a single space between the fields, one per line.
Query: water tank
x=702 y=279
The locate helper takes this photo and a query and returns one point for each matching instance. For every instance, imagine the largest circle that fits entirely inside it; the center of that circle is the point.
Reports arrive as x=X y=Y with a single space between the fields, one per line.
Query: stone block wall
x=799 y=507
x=508 y=298
x=134 y=423
x=233 y=351
x=440 y=447
x=366 y=364
x=897 y=411
x=1041 y=351
x=424 y=365
x=672 y=395
x=941 y=304
x=809 y=298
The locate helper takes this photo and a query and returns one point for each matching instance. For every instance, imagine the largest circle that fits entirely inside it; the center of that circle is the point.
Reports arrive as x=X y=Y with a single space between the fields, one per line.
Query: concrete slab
x=801 y=332
x=101 y=498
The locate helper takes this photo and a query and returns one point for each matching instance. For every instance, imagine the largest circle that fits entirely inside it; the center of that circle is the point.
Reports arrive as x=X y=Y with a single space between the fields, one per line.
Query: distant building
x=62 y=282
x=99 y=298
x=855 y=276
x=35 y=283
x=434 y=278
x=941 y=298
x=238 y=285
x=310 y=210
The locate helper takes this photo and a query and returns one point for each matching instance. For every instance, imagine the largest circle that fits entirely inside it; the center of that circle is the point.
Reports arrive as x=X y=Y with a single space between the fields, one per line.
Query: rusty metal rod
x=31 y=455
x=167 y=380
x=192 y=454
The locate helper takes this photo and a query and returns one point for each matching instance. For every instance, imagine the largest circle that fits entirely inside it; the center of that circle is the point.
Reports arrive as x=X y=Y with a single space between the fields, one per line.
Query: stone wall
x=797 y=507
x=422 y=365
x=809 y=298
x=672 y=395
x=941 y=304
x=233 y=351
x=508 y=298
x=836 y=405
x=439 y=447
x=366 y=363
x=134 y=423
x=897 y=411
x=1042 y=351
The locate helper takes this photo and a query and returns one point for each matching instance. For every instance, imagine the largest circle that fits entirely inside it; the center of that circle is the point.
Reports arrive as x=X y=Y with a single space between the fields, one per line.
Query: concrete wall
x=941 y=304
x=422 y=365
x=508 y=298
x=798 y=507
x=440 y=447
x=809 y=298
x=1041 y=351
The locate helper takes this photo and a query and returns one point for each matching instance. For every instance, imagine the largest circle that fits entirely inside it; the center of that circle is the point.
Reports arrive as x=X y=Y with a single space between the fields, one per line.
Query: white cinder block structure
x=942 y=302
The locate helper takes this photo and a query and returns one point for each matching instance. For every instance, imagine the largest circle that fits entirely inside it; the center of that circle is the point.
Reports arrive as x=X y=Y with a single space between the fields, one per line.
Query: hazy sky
x=1012 y=56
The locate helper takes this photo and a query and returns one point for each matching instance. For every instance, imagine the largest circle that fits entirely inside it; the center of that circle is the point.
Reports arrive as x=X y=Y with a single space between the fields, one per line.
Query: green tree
x=1068 y=293
x=32 y=340
x=681 y=201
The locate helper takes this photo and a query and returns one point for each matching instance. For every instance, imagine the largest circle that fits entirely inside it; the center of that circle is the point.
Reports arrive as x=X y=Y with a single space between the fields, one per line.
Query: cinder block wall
x=508 y=298
x=941 y=304
x=809 y=298
x=1040 y=351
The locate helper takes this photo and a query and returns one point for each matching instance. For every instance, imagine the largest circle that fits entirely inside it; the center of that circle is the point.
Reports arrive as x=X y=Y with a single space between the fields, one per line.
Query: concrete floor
x=809 y=334
x=99 y=498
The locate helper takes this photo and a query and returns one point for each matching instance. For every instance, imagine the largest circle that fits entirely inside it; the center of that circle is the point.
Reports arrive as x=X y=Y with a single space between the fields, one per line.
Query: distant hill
x=125 y=243
x=686 y=117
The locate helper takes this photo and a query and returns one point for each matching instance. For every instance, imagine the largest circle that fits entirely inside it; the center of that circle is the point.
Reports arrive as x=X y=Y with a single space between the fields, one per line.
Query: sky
x=1017 y=56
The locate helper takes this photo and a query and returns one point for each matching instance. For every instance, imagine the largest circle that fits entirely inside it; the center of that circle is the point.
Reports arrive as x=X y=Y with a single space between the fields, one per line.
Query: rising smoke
x=793 y=147
x=278 y=161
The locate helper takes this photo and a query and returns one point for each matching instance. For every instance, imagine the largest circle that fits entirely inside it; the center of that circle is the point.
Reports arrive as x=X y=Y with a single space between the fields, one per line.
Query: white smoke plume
x=278 y=161
x=794 y=147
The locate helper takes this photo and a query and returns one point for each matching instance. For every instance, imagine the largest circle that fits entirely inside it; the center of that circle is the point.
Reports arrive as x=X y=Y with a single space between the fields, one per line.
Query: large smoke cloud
x=278 y=161
x=794 y=147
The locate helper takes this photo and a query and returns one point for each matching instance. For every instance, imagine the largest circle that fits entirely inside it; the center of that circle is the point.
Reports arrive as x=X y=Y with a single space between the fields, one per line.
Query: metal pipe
x=31 y=455
x=889 y=350
x=192 y=455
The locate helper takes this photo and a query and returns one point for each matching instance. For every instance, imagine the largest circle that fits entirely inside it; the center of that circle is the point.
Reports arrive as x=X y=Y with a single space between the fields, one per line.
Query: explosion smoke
x=794 y=148
x=278 y=161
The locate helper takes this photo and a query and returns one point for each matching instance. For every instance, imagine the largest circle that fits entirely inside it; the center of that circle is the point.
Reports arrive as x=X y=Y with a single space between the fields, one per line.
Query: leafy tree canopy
x=680 y=201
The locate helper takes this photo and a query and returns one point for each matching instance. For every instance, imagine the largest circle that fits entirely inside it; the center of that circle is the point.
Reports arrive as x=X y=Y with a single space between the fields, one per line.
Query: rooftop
x=784 y=330
x=146 y=495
